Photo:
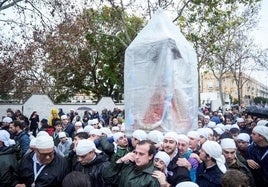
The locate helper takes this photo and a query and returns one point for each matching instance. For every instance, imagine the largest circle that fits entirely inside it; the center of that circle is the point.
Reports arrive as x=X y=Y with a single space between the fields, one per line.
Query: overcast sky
x=261 y=36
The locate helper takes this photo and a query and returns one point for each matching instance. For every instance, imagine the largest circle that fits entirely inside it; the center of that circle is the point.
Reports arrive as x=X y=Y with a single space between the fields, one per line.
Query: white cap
x=44 y=142
x=183 y=137
x=220 y=125
x=228 y=143
x=5 y=138
x=240 y=120
x=211 y=124
x=95 y=121
x=33 y=142
x=85 y=146
x=262 y=130
x=106 y=130
x=140 y=135
x=156 y=136
x=262 y=122
x=193 y=134
x=115 y=128
x=163 y=156
x=88 y=128
x=118 y=135
x=172 y=135
x=214 y=150
x=244 y=137
x=80 y=130
x=78 y=124
x=62 y=134
x=7 y=119
x=218 y=130
x=187 y=184
x=206 y=117
x=64 y=117
x=95 y=132
x=42 y=133
x=228 y=127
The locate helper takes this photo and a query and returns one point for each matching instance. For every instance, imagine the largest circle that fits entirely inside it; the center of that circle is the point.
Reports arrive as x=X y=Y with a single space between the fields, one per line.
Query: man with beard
x=175 y=174
x=135 y=168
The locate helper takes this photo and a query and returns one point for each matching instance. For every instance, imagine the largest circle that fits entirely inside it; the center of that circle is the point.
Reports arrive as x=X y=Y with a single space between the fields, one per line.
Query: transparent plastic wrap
x=161 y=82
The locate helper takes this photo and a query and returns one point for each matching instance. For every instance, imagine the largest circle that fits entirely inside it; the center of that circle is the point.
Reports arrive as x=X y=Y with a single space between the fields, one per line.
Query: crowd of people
x=227 y=149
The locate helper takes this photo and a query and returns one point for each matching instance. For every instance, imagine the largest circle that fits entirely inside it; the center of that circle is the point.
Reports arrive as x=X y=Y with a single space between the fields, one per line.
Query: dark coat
x=177 y=174
x=8 y=164
x=210 y=177
x=51 y=176
x=95 y=169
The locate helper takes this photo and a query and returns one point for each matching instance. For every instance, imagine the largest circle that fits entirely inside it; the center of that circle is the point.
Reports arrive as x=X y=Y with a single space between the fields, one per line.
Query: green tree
x=86 y=55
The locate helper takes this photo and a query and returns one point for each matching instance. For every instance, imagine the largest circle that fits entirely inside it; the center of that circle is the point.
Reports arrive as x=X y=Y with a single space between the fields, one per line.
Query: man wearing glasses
x=42 y=167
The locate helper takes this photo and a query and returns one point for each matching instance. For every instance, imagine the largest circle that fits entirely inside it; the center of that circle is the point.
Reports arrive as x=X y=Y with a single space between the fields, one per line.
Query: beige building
x=251 y=88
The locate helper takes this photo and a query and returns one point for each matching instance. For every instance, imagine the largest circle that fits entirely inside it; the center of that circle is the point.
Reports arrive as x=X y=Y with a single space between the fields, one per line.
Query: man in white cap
x=121 y=146
x=67 y=126
x=242 y=126
x=8 y=159
x=185 y=160
x=137 y=136
x=43 y=167
x=64 y=145
x=134 y=169
x=161 y=161
x=257 y=155
x=194 y=138
x=209 y=173
x=242 y=141
x=229 y=152
x=5 y=123
x=91 y=161
x=176 y=173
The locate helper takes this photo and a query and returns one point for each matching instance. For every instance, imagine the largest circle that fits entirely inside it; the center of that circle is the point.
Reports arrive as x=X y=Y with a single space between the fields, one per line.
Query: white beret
x=95 y=132
x=240 y=120
x=228 y=143
x=156 y=136
x=5 y=138
x=85 y=146
x=140 y=135
x=7 y=119
x=183 y=137
x=88 y=128
x=44 y=142
x=172 y=135
x=243 y=136
x=118 y=135
x=262 y=122
x=163 y=156
x=262 y=130
x=62 y=134
x=193 y=134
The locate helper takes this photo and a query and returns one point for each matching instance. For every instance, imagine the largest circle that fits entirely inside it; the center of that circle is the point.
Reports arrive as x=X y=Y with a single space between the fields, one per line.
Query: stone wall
x=43 y=105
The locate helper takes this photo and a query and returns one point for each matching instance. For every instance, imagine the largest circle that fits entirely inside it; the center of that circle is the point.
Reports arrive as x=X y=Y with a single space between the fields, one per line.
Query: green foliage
x=87 y=54
x=260 y=100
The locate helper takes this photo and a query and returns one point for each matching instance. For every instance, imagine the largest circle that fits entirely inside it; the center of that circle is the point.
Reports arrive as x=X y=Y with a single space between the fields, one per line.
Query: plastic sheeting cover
x=160 y=79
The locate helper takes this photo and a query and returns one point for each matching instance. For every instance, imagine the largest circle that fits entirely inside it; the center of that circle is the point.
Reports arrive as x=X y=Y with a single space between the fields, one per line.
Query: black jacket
x=95 y=169
x=177 y=174
x=51 y=176
x=8 y=164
